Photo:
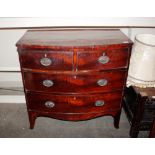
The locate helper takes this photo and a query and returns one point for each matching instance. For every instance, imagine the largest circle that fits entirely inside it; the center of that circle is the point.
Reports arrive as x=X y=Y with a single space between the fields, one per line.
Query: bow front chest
x=74 y=74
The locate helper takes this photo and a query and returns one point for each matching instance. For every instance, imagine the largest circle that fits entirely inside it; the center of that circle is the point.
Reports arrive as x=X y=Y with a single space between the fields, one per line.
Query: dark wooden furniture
x=152 y=132
x=74 y=74
x=139 y=105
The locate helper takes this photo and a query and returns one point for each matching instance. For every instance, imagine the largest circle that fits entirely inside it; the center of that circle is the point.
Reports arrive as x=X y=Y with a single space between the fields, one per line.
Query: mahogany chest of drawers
x=74 y=74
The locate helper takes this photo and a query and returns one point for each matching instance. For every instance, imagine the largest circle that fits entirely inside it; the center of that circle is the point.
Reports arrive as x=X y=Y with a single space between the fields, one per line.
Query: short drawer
x=86 y=83
x=46 y=60
x=74 y=103
x=102 y=60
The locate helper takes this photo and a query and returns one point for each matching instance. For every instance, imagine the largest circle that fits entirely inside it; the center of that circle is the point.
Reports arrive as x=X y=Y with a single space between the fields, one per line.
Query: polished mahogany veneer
x=117 y=59
x=74 y=74
x=75 y=83
x=75 y=103
x=59 y=60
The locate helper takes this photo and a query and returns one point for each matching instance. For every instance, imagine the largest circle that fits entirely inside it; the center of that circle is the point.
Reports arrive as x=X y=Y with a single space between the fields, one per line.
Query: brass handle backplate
x=46 y=61
x=99 y=103
x=48 y=83
x=102 y=82
x=49 y=104
x=103 y=59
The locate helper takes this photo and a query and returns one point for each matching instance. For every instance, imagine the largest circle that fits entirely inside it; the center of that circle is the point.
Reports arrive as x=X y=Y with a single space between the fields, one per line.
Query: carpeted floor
x=14 y=123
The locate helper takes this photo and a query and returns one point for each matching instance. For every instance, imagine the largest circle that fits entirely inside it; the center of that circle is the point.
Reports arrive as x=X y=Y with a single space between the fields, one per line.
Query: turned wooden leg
x=32 y=118
x=117 y=119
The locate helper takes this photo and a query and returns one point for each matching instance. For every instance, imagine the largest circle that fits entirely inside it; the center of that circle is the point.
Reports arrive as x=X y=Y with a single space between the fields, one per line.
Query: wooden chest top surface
x=72 y=38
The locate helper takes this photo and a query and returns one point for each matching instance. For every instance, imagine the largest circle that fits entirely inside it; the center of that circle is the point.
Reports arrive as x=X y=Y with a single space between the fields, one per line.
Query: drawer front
x=74 y=104
x=77 y=83
x=102 y=60
x=46 y=60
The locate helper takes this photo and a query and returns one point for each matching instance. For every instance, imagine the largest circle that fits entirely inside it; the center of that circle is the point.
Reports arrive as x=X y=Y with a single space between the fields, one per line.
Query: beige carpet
x=14 y=123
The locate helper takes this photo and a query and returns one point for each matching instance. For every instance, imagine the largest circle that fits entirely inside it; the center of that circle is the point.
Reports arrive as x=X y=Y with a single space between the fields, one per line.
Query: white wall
x=8 y=58
x=9 y=36
x=109 y=21
x=11 y=29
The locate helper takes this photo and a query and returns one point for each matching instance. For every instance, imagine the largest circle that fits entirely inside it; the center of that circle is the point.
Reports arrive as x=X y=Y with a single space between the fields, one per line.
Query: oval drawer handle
x=46 y=61
x=99 y=103
x=49 y=104
x=102 y=82
x=48 y=83
x=103 y=59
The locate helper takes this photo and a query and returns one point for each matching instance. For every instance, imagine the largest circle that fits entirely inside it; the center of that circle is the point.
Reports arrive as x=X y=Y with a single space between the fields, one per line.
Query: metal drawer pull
x=102 y=82
x=46 y=61
x=48 y=83
x=103 y=59
x=99 y=103
x=49 y=104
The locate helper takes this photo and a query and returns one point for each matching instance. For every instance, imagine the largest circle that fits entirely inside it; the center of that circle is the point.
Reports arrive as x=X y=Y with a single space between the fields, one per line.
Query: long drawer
x=75 y=83
x=74 y=103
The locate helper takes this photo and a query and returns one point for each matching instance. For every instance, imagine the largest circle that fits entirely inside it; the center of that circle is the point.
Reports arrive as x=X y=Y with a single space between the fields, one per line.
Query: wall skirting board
x=12 y=99
x=11 y=92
